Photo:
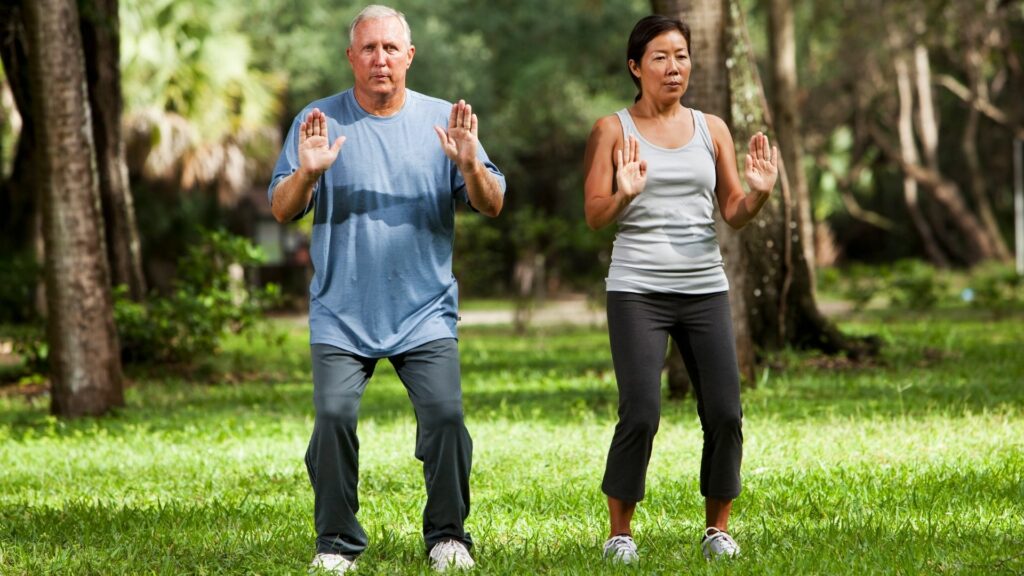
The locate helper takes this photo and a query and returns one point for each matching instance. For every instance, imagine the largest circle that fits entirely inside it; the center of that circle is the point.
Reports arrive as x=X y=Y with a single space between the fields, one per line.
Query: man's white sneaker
x=450 y=554
x=717 y=543
x=621 y=549
x=331 y=564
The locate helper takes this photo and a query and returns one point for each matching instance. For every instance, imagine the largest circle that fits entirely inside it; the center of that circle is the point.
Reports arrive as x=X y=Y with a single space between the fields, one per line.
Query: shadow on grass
x=555 y=375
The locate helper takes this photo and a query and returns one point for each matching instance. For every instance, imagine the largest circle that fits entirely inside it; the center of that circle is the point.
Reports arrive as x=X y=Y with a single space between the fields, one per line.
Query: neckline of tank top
x=645 y=140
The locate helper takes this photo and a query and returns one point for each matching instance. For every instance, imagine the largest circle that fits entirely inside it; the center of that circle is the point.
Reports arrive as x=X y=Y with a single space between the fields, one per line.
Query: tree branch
x=980 y=104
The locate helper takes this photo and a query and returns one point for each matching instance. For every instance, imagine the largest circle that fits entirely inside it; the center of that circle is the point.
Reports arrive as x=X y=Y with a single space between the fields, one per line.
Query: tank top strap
x=628 y=127
x=700 y=126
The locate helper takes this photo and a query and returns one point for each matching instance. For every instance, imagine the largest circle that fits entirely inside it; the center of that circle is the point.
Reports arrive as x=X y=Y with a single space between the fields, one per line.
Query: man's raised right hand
x=315 y=156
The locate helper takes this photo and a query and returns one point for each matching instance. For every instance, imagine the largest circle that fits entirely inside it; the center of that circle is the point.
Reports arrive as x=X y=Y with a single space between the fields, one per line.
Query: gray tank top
x=666 y=239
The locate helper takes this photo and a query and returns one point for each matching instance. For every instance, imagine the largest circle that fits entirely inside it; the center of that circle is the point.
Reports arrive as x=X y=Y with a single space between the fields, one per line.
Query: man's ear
x=412 y=53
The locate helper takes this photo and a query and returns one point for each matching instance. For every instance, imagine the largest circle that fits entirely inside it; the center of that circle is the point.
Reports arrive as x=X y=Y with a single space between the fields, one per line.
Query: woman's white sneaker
x=621 y=549
x=717 y=543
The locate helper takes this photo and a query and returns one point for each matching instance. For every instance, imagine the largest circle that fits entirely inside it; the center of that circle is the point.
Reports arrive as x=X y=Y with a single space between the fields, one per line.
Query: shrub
x=860 y=284
x=997 y=287
x=916 y=285
x=210 y=299
x=19 y=276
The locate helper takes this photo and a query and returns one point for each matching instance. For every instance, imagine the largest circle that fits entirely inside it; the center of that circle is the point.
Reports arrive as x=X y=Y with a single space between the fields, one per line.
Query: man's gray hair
x=376 y=12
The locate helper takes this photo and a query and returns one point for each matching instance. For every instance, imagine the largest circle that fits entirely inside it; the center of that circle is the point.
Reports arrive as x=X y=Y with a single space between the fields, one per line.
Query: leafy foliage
x=997 y=287
x=210 y=299
x=194 y=59
x=19 y=277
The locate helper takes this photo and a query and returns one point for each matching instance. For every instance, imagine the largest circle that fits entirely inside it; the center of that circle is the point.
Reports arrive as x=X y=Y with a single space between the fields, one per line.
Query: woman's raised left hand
x=761 y=167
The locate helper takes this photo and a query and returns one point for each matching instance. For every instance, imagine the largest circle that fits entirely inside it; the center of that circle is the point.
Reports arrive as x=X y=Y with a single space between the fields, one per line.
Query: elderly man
x=381 y=167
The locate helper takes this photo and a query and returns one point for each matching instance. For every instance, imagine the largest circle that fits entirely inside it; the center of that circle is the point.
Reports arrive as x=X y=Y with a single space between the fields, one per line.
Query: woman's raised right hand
x=630 y=170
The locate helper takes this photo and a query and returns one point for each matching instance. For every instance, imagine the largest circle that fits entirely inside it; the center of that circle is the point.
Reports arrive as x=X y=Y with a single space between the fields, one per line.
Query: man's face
x=380 y=56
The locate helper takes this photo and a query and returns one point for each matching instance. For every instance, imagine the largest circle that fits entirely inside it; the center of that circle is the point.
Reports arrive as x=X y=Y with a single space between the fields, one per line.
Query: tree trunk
x=978 y=244
x=975 y=58
x=84 y=355
x=709 y=91
x=786 y=120
x=101 y=42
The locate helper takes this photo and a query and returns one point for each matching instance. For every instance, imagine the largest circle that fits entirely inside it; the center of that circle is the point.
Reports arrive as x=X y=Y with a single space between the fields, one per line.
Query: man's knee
x=337 y=410
x=443 y=416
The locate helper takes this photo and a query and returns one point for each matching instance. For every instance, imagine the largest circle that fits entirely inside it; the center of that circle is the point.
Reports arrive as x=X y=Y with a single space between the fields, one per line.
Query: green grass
x=910 y=465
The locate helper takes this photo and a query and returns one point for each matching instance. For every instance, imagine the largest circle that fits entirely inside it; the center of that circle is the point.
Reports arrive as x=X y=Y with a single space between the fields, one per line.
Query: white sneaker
x=717 y=543
x=331 y=564
x=621 y=549
x=450 y=554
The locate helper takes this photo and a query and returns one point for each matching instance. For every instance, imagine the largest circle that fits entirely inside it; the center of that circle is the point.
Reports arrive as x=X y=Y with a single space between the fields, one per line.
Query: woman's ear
x=634 y=68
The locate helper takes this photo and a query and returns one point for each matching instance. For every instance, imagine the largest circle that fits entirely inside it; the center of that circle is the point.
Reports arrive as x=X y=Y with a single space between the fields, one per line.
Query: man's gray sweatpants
x=431 y=376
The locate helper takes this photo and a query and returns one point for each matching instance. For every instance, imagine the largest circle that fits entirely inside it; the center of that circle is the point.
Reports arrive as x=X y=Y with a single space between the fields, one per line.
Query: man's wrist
x=471 y=169
x=307 y=177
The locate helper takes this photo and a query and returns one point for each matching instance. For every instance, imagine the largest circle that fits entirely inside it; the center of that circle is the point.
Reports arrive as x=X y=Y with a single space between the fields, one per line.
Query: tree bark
x=101 y=42
x=83 y=349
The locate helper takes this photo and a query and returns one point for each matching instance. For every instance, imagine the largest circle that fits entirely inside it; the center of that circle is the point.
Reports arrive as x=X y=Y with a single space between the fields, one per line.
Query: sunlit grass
x=912 y=464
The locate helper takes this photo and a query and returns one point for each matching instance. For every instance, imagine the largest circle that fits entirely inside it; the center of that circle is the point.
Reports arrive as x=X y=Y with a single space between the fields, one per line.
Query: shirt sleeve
x=288 y=163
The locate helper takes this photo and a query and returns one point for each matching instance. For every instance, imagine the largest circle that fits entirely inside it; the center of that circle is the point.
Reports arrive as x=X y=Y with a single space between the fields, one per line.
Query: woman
x=655 y=169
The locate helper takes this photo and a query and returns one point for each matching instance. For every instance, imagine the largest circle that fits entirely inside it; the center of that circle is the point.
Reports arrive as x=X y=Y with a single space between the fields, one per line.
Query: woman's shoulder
x=609 y=126
x=715 y=124
x=610 y=122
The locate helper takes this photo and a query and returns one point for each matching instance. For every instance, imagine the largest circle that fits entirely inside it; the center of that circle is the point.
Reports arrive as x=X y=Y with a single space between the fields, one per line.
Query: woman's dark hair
x=647 y=29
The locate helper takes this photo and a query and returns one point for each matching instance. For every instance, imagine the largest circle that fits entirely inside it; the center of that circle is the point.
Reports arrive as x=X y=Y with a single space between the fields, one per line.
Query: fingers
x=315 y=124
x=629 y=153
x=462 y=116
x=336 y=147
x=442 y=135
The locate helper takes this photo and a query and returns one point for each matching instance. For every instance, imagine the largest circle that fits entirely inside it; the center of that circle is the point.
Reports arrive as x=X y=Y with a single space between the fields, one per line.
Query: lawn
x=910 y=464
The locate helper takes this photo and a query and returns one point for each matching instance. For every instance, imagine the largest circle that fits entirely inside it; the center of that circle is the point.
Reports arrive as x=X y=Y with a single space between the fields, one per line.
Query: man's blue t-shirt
x=383 y=227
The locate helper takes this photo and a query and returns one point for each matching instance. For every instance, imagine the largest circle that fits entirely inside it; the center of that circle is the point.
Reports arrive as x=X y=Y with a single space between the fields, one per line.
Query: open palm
x=460 y=141
x=316 y=154
x=761 y=165
x=630 y=170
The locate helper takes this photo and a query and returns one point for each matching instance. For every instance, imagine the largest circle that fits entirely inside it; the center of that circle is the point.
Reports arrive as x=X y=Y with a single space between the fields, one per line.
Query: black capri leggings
x=701 y=326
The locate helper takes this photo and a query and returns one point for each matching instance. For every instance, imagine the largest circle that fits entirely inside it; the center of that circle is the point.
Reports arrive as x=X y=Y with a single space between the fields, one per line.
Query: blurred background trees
x=906 y=113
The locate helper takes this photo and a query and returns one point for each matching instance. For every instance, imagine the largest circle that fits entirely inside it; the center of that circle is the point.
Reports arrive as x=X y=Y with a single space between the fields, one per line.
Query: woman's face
x=664 y=70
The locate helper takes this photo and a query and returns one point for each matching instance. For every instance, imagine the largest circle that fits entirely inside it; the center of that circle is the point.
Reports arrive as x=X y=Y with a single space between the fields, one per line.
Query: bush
x=19 y=277
x=916 y=285
x=997 y=287
x=210 y=299
x=859 y=284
